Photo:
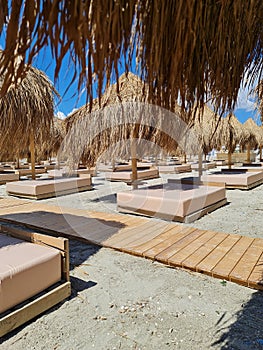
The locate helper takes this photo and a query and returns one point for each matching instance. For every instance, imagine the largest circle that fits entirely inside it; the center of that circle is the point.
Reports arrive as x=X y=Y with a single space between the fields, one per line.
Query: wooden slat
x=165 y=255
x=208 y=263
x=255 y=280
x=229 y=261
x=184 y=253
x=141 y=248
x=129 y=236
x=201 y=253
x=244 y=267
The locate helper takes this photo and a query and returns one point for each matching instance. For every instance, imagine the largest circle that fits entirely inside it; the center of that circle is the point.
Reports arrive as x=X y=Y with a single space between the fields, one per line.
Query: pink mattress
x=126 y=176
x=45 y=186
x=235 y=178
x=205 y=166
x=168 y=169
x=170 y=200
x=25 y=270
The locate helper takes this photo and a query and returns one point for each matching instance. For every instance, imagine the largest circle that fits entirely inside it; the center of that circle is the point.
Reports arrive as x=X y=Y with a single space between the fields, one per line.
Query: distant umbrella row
x=28 y=125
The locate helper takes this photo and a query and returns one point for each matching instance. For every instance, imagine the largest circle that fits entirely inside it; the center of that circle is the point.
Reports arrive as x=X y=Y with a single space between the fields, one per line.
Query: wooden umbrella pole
x=260 y=152
x=229 y=156
x=184 y=158
x=200 y=164
x=17 y=161
x=248 y=152
x=32 y=152
x=134 y=156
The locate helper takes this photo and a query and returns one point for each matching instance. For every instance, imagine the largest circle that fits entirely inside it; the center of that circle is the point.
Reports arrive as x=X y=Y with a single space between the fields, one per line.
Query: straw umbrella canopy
x=53 y=142
x=256 y=138
x=207 y=127
x=26 y=114
x=122 y=115
x=232 y=133
x=189 y=48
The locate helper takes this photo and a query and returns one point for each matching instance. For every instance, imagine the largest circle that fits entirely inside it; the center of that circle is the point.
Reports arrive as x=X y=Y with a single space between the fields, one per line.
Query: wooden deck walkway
x=226 y=256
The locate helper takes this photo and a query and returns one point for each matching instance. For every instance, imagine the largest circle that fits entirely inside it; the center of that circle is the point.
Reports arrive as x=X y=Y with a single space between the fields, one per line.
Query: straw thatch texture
x=207 y=127
x=24 y=109
x=233 y=132
x=124 y=115
x=187 y=47
x=256 y=138
x=51 y=145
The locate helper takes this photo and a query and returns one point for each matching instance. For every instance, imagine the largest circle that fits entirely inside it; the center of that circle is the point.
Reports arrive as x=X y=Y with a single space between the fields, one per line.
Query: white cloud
x=60 y=115
x=245 y=101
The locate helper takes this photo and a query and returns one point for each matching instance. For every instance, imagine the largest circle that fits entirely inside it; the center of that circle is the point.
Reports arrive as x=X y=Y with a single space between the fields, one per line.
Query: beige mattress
x=126 y=176
x=25 y=270
x=26 y=172
x=40 y=187
x=241 y=178
x=168 y=169
x=205 y=166
x=171 y=201
x=56 y=173
x=8 y=176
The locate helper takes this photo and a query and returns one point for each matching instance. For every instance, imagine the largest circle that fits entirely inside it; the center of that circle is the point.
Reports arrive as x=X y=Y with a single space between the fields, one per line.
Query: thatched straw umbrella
x=122 y=115
x=232 y=133
x=256 y=138
x=184 y=47
x=26 y=114
x=53 y=142
x=207 y=128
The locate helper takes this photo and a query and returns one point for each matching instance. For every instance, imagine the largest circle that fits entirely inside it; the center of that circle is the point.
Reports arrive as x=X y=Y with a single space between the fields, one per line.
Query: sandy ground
x=124 y=302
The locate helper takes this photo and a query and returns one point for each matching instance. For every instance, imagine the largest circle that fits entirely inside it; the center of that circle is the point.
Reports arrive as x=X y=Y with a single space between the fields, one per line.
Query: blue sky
x=71 y=99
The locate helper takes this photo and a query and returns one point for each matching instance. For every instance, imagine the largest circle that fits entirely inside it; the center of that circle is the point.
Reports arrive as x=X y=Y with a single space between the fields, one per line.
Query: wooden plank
x=255 y=280
x=34 y=308
x=243 y=269
x=129 y=238
x=177 y=246
x=208 y=263
x=176 y=234
x=141 y=248
x=184 y=253
x=229 y=261
x=201 y=253
x=148 y=236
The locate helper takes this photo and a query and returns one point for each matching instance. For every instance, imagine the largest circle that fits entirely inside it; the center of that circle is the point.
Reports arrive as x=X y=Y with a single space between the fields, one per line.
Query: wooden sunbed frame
x=187 y=219
x=27 y=310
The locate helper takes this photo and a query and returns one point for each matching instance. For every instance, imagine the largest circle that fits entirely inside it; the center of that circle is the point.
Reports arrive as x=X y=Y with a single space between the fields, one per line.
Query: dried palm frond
x=123 y=116
x=207 y=127
x=233 y=132
x=256 y=138
x=187 y=48
x=24 y=109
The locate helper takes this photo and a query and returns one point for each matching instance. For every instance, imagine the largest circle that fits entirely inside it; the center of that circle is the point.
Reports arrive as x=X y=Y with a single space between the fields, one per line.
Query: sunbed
x=173 y=201
x=34 y=275
x=126 y=176
x=46 y=188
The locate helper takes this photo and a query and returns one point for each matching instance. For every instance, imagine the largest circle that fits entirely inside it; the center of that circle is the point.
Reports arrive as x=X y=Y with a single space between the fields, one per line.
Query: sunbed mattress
x=170 y=200
x=236 y=178
x=127 y=175
x=45 y=186
x=25 y=270
x=174 y=168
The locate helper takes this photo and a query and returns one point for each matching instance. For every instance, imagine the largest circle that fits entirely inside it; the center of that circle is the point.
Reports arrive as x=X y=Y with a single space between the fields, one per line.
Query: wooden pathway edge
x=225 y=256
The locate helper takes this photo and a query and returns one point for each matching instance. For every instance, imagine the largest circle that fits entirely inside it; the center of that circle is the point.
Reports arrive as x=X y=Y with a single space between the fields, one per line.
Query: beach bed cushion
x=25 y=270
x=205 y=165
x=176 y=169
x=126 y=176
x=236 y=179
x=28 y=172
x=172 y=201
x=46 y=188
x=57 y=173
x=6 y=176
